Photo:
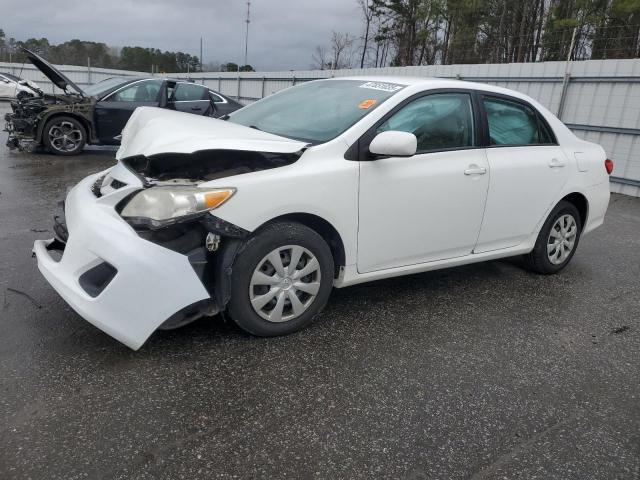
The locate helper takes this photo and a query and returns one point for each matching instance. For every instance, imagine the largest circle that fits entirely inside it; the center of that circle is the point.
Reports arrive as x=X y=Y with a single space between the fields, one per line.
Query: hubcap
x=285 y=283
x=562 y=239
x=65 y=136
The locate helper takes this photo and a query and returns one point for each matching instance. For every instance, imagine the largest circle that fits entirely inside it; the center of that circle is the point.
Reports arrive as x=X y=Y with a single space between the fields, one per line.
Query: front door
x=528 y=172
x=113 y=112
x=427 y=207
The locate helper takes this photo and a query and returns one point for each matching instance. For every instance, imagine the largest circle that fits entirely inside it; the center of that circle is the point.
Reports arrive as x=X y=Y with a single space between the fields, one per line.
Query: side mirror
x=393 y=143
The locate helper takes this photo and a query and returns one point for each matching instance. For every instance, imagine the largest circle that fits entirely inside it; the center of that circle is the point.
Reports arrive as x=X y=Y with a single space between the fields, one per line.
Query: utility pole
x=567 y=75
x=246 y=36
x=201 y=54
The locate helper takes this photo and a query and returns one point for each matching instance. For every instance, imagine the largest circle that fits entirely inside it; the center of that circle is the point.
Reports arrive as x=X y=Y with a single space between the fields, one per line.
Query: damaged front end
x=175 y=211
x=29 y=112
x=141 y=245
x=25 y=122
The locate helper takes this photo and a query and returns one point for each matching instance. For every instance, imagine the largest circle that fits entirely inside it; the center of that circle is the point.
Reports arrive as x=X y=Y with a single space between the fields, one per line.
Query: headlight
x=164 y=204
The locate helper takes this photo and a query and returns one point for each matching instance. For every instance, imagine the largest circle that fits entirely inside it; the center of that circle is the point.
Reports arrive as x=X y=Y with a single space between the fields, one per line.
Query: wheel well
x=580 y=202
x=323 y=228
x=79 y=118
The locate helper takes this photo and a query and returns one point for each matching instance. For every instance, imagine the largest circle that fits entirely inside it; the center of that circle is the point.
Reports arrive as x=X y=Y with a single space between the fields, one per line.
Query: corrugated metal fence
x=598 y=99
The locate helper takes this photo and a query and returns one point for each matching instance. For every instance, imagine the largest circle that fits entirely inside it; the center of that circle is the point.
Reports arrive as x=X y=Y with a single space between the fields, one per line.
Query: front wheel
x=557 y=241
x=64 y=136
x=281 y=279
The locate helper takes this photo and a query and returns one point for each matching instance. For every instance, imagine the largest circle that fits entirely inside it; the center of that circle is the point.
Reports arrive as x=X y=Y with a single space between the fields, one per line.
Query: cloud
x=282 y=33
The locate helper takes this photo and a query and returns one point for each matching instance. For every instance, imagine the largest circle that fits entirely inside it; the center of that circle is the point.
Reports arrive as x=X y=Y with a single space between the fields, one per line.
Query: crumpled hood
x=152 y=130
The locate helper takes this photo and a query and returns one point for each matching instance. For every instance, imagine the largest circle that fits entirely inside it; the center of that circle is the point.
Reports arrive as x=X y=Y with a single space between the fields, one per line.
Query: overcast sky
x=282 y=33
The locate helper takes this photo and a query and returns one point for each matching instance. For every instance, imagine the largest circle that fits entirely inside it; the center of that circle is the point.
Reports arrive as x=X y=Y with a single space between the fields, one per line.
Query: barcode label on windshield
x=386 y=87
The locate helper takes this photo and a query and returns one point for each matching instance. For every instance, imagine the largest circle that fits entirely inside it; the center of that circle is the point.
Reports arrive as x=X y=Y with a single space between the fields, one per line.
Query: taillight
x=608 y=166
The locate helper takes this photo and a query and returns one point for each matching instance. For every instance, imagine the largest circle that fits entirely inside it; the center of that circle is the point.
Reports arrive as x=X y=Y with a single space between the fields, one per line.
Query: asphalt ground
x=478 y=372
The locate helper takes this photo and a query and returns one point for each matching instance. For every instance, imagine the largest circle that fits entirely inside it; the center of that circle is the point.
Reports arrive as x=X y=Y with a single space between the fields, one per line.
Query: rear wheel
x=557 y=240
x=64 y=136
x=281 y=279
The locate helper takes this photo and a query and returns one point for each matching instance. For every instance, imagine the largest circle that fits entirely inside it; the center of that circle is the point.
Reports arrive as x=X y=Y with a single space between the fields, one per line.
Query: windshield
x=100 y=88
x=317 y=111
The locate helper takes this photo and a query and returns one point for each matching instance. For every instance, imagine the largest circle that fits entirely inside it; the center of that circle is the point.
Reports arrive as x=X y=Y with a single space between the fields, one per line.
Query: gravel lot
x=481 y=372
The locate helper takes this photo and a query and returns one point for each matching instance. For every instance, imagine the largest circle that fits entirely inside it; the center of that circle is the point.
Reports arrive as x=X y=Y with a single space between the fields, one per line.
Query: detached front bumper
x=122 y=284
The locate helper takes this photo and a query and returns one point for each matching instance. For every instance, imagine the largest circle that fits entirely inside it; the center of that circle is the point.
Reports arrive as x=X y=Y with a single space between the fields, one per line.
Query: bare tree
x=368 y=12
x=341 y=50
x=319 y=58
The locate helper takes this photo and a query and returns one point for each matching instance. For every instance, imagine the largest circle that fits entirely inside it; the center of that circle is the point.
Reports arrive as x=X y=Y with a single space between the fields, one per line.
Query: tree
x=368 y=8
x=319 y=59
x=80 y=52
x=230 y=67
x=341 y=50
x=418 y=32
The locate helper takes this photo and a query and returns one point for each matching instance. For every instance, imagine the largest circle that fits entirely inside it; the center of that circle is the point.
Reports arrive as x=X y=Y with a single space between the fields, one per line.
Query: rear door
x=191 y=98
x=113 y=111
x=528 y=172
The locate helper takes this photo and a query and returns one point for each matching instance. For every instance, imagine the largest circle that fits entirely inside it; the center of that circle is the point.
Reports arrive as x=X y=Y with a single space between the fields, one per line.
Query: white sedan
x=327 y=184
x=12 y=86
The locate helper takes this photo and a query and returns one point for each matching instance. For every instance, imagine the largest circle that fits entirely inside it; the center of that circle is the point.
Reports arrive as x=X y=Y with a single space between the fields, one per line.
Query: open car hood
x=152 y=131
x=52 y=73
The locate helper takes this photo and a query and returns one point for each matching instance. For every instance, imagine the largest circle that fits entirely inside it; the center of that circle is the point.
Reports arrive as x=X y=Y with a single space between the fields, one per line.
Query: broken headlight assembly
x=160 y=206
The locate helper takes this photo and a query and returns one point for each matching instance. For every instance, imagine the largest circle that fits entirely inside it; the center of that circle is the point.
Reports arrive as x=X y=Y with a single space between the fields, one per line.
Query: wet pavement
x=482 y=372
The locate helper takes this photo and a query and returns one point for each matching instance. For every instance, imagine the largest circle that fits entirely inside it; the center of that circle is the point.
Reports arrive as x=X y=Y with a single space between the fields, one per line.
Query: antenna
x=246 y=36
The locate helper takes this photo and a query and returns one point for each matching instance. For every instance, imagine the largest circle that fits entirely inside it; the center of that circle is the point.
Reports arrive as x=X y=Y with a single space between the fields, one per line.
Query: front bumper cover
x=150 y=284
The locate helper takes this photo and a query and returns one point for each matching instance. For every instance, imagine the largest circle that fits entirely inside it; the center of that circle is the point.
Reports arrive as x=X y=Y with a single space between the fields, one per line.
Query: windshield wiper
x=255 y=128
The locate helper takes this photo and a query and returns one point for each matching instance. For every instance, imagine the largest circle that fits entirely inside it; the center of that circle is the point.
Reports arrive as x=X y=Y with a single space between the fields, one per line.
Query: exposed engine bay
x=29 y=114
x=204 y=165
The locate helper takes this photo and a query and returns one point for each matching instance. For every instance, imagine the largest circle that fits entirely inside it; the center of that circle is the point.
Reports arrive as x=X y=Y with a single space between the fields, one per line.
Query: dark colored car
x=96 y=115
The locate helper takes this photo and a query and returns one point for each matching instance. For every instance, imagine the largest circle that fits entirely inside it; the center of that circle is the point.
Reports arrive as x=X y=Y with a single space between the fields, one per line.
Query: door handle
x=555 y=163
x=475 y=170
x=197 y=109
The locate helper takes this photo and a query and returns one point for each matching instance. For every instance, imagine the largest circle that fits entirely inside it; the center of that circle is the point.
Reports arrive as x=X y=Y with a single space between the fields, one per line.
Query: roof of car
x=435 y=82
x=401 y=80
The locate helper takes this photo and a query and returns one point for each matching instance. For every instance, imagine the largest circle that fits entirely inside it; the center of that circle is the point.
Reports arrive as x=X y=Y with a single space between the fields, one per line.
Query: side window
x=216 y=98
x=145 y=91
x=512 y=123
x=439 y=121
x=186 y=92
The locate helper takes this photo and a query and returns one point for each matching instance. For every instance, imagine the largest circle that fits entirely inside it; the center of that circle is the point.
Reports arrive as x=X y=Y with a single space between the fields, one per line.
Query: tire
x=256 y=279
x=554 y=251
x=64 y=135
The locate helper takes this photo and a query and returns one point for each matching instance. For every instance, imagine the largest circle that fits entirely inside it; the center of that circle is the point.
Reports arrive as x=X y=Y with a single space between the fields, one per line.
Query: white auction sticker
x=386 y=87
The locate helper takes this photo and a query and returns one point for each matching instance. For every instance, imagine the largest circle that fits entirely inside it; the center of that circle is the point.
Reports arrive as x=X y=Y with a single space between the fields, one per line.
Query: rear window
x=512 y=123
x=187 y=92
